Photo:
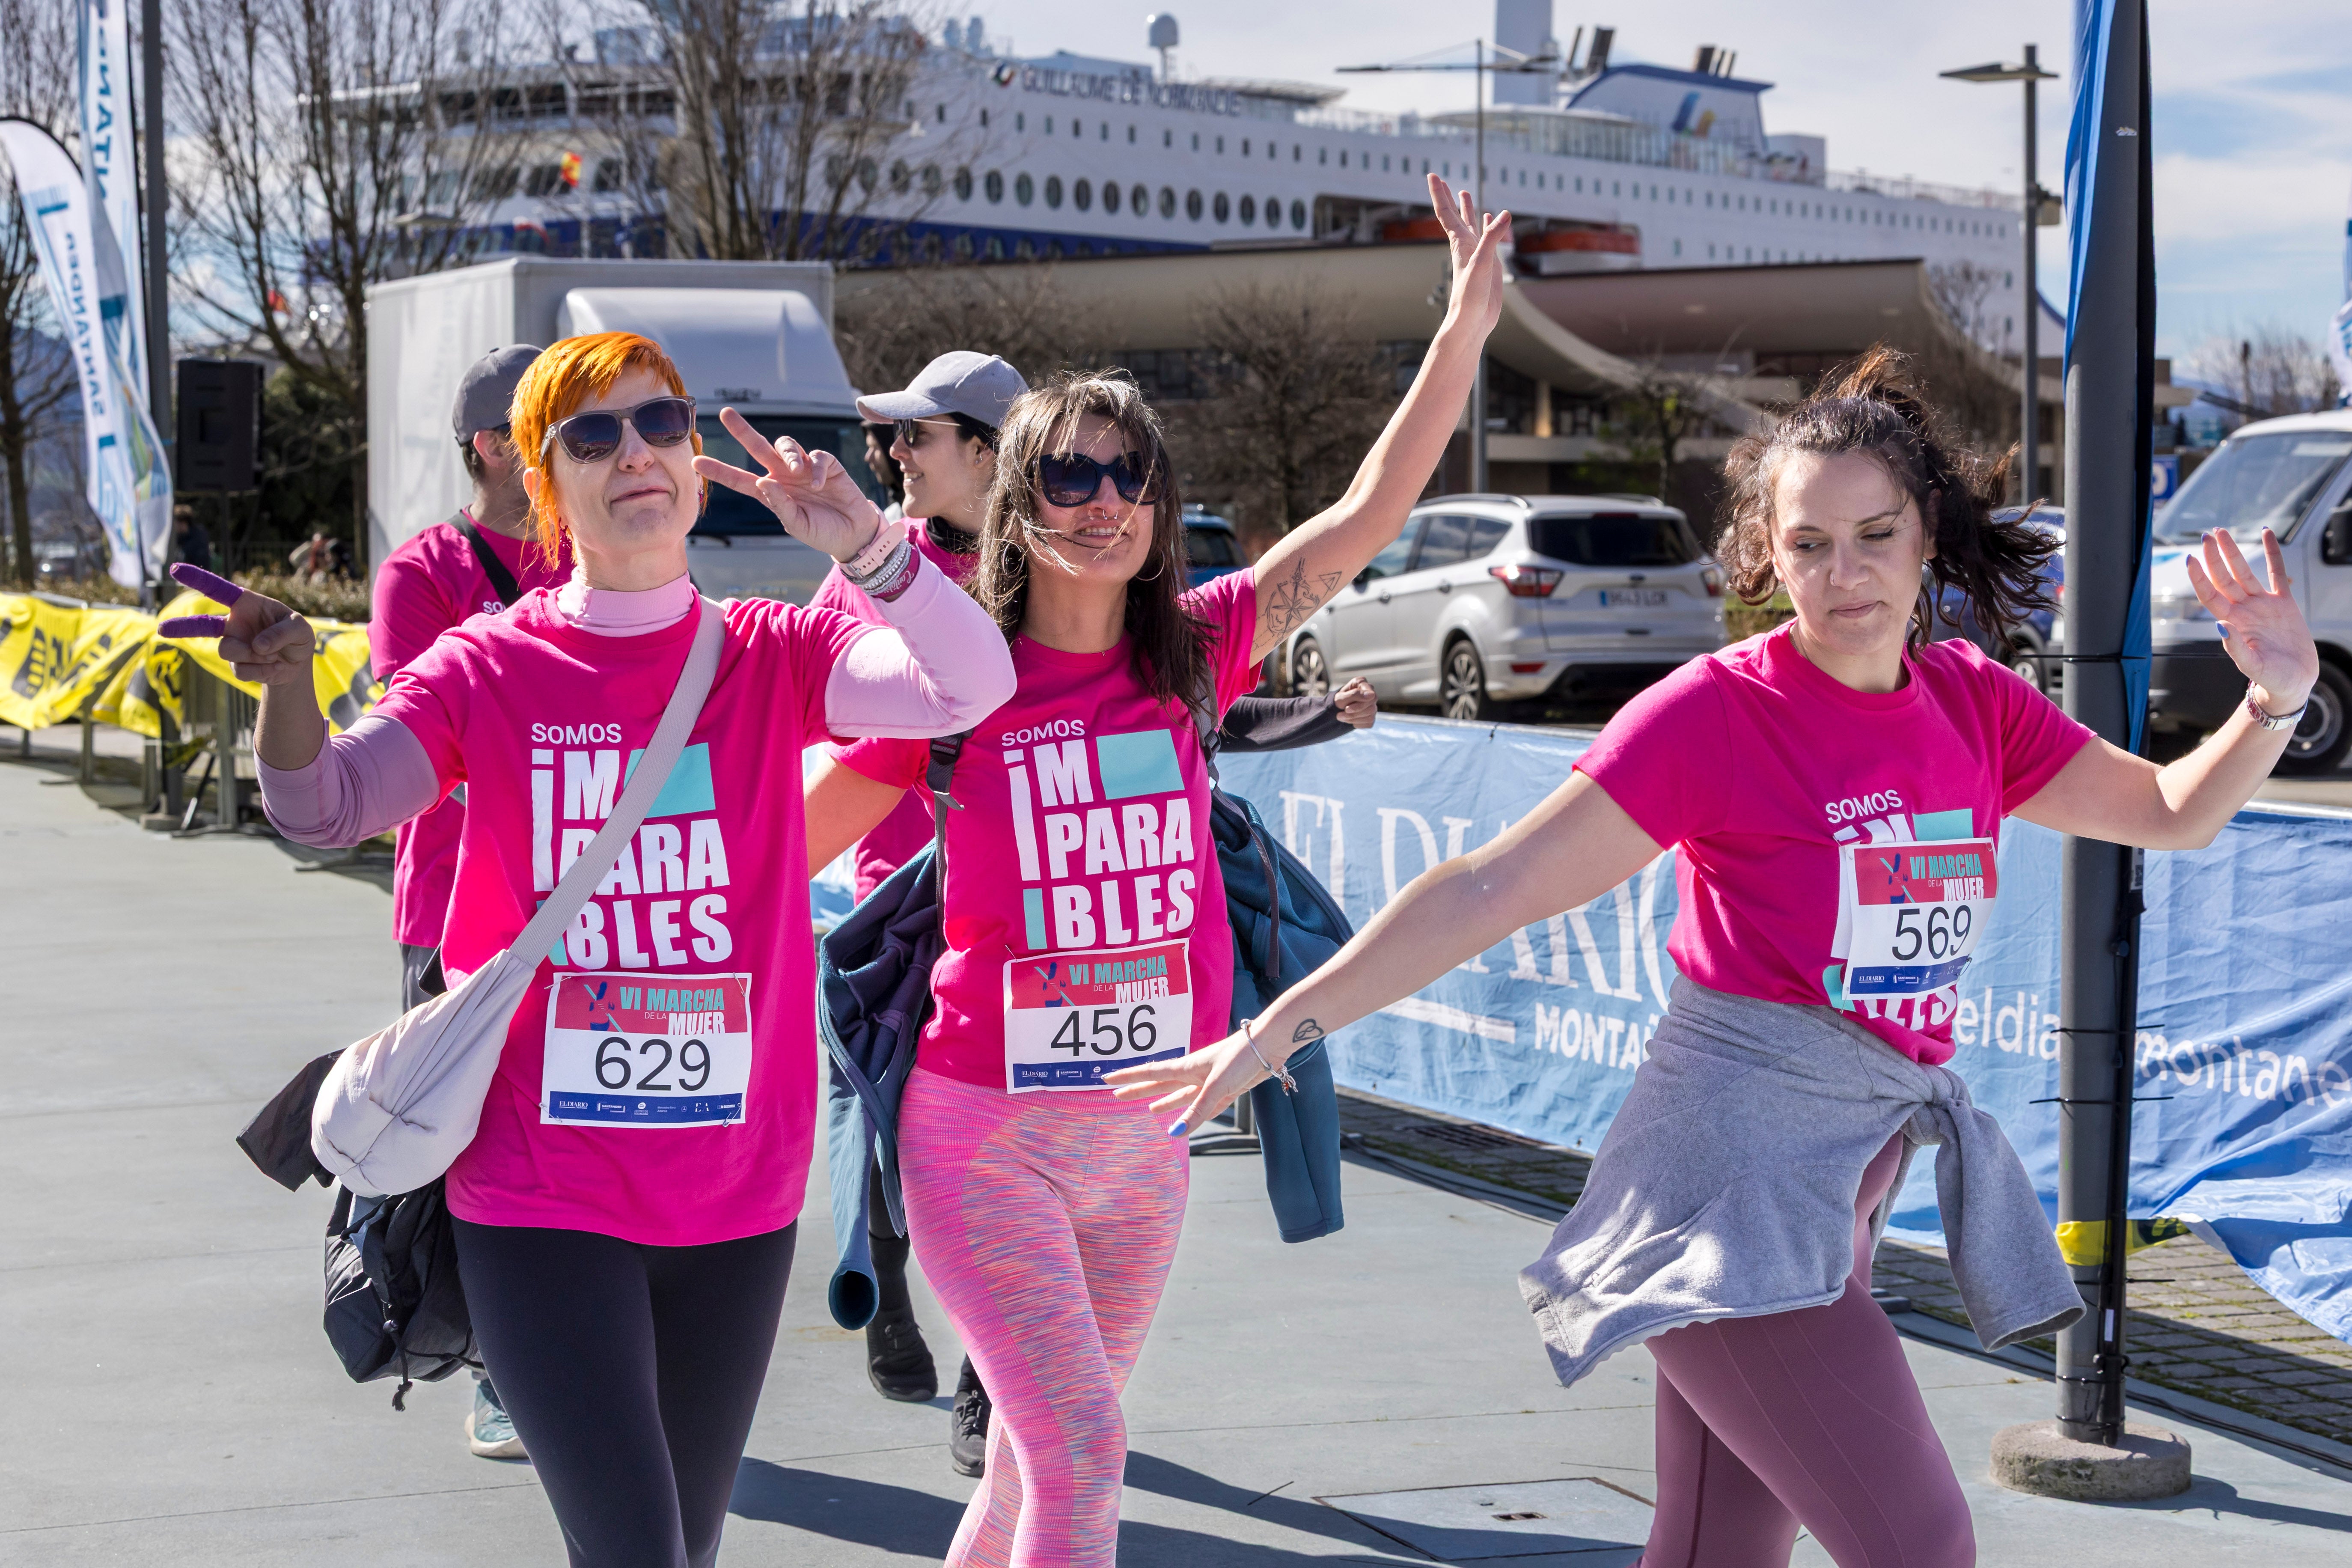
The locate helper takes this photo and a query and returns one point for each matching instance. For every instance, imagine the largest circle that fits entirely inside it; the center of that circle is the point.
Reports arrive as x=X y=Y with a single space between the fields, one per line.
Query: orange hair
x=554 y=389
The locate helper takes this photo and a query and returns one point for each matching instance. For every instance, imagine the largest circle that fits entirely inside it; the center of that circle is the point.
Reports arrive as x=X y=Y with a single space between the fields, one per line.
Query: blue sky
x=2252 y=105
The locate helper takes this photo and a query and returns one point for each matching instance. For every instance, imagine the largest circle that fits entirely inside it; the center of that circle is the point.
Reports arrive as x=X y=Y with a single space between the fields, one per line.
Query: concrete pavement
x=168 y=1396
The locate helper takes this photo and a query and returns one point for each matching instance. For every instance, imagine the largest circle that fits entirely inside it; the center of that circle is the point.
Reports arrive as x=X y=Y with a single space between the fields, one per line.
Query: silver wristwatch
x=2272 y=720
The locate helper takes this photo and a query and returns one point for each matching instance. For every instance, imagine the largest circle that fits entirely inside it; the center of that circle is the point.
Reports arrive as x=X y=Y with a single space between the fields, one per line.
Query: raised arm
x=1570 y=850
x=1298 y=574
x=941 y=664
x=2106 y=793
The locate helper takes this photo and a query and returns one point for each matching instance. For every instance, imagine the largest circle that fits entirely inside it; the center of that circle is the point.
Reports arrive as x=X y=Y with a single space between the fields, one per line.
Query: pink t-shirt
x=1084 y=901
x=909 y=827
x=427 y=584
x=1763 y=770
x=704 y=917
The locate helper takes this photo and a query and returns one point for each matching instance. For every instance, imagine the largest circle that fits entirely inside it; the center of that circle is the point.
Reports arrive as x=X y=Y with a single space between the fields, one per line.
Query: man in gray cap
x=478 y=561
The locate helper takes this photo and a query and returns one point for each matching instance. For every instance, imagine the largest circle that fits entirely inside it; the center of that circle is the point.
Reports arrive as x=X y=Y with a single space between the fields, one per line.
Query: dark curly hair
x=1169 y=642
x=1878 y=410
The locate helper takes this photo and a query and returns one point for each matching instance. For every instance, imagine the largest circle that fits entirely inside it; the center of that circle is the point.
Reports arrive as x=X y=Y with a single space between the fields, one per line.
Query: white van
x=753 y=335
x=2292 y=476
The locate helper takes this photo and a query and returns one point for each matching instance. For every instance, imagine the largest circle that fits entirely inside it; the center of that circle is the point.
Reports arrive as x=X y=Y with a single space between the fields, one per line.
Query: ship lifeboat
x=1587 y=248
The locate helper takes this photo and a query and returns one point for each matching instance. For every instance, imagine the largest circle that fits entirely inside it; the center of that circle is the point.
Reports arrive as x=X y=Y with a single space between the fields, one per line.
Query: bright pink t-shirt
x=1761 y=769
x=909 y=827
x=1082 y=890
x=427 y=584
x=544 y=722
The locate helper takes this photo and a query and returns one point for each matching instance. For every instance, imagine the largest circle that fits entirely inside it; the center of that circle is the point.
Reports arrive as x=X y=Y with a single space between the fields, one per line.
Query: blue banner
x=2245 y=1001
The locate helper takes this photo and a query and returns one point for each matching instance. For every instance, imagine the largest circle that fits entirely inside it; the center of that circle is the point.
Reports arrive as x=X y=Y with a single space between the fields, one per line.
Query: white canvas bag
x=400 y=1106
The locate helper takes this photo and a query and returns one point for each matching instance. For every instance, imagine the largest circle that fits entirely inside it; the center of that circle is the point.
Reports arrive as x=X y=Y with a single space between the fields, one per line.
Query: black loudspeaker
x=219 y=446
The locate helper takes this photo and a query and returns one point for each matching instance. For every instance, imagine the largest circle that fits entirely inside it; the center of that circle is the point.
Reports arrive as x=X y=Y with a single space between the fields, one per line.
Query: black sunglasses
x=592 y=437
x=1069 y=479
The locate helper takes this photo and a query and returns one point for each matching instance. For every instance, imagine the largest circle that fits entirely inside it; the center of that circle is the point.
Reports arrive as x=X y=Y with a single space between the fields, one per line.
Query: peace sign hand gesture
x=1477 y=247
x=2262 y=627
x=265 y=641
x=809 y=492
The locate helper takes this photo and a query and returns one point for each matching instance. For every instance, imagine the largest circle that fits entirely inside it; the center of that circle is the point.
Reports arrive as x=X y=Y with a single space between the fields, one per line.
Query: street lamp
x=1483 y=63
x=2036 y=201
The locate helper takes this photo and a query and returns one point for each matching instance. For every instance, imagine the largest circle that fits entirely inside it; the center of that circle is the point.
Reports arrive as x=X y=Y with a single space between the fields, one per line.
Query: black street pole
x=2109 y=371
x=2029 y=438
x=159 y=290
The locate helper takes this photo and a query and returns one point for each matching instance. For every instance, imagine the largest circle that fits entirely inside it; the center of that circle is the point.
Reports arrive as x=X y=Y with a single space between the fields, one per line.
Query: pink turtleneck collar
x=613 y=613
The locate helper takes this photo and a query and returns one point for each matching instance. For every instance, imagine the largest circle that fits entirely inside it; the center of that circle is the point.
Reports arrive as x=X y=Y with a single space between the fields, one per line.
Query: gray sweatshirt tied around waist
x=1727 y=1183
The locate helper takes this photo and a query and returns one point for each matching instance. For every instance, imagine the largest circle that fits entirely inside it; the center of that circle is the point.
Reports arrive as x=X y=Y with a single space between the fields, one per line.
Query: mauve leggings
x=1808 y=1418
x=1046 y=1224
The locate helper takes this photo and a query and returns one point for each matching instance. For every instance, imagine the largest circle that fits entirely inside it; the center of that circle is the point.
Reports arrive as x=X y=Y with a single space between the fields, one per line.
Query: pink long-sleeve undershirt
x=926 y=673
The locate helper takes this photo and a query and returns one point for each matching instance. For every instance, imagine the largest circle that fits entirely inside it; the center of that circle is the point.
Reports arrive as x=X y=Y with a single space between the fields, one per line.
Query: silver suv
x=1489 y=600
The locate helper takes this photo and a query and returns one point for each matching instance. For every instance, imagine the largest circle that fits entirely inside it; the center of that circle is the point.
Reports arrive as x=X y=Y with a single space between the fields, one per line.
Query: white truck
x=2292 y=476
x=752 y=336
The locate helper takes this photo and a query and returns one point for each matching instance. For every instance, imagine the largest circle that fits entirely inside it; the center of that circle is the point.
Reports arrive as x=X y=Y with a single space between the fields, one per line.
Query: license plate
x=1632 y=598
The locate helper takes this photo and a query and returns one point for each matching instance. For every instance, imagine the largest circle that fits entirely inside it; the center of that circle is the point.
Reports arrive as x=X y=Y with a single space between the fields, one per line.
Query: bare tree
x=1960 y=289
x=1298 y=393
x=332 y=144
x=889 y=324
x=2266 y=371
x=1659 y=409
x=36 y=376
x=768 y=131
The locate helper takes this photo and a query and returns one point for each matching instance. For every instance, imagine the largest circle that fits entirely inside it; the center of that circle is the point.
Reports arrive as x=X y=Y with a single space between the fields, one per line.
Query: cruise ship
x=1608 y=162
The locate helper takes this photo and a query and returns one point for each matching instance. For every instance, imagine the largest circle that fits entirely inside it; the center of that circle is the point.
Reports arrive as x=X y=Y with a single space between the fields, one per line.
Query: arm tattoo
x=1310 y=1030
x=1288 y=604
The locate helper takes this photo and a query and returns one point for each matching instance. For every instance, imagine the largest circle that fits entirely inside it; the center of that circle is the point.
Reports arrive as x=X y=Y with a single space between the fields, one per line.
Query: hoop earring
x=1159 y=567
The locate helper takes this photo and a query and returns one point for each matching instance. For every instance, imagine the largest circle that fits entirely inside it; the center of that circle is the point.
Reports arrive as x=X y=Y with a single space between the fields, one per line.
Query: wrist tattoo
x=1310 y=1030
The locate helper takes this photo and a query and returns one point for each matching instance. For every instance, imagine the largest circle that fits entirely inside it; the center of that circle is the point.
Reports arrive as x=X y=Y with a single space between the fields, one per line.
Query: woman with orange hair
x=624 y=1255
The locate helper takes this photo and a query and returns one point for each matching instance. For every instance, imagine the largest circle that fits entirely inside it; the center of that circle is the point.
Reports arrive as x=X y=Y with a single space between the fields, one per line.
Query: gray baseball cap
x=485 y=391
x=980 y=385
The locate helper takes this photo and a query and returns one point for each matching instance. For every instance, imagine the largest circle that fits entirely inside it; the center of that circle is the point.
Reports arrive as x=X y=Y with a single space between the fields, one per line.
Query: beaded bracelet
x=892 y=578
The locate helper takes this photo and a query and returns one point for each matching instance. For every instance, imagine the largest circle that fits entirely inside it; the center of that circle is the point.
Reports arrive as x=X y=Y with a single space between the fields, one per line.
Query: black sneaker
x=897 y=1360
x=968 y=1425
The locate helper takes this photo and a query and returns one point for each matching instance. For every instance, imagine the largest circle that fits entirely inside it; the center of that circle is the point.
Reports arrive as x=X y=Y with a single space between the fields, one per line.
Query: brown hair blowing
x=1878 y=410
x=1167 y=642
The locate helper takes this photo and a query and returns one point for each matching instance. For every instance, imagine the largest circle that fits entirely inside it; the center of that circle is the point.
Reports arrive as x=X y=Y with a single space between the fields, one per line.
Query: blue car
x=2023 y=647
x=1212 y=548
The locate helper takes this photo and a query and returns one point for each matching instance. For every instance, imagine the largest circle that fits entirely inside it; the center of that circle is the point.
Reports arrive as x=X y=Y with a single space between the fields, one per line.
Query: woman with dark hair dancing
x=1084 y=913
x=1835 y=789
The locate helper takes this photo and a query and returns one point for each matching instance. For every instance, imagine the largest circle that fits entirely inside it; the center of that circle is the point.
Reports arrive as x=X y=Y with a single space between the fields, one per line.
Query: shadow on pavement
x=2208 y=1495
x=917 y=1523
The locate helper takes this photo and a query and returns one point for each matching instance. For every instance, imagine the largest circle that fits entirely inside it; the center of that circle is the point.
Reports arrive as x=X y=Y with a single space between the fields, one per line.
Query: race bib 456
x=1070 y=1017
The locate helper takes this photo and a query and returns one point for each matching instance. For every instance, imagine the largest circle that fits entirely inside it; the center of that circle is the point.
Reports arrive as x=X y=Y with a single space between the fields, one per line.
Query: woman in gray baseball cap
x=945 y=440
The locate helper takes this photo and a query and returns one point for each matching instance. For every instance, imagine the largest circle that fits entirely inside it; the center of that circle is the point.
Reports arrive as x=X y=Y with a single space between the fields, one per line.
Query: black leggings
x=631 y=1373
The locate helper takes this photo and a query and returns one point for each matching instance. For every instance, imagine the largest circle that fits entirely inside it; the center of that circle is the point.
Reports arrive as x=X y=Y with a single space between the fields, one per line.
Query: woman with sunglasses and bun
x=624 y=1264
x=1084 y=914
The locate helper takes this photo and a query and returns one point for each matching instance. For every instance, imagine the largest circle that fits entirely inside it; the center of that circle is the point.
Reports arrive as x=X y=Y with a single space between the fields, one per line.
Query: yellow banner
x=345 y=685
x=2084 y=1242
x=54 y=658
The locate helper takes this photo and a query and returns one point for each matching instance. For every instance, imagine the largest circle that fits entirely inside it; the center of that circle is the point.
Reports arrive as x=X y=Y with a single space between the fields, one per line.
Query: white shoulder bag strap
x=401 y=1105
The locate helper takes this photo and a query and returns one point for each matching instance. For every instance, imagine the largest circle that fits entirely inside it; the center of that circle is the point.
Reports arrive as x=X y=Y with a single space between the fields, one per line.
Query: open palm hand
x=2263 y=628
x=1477 y=248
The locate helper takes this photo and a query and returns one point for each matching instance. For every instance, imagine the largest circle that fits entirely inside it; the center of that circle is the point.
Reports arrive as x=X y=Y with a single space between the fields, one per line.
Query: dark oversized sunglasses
x=1072 y=480
x=592 y=437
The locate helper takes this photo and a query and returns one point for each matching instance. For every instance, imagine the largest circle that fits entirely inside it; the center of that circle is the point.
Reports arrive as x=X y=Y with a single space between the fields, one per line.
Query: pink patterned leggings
x=1046 y=1224
x=1808 y=1418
